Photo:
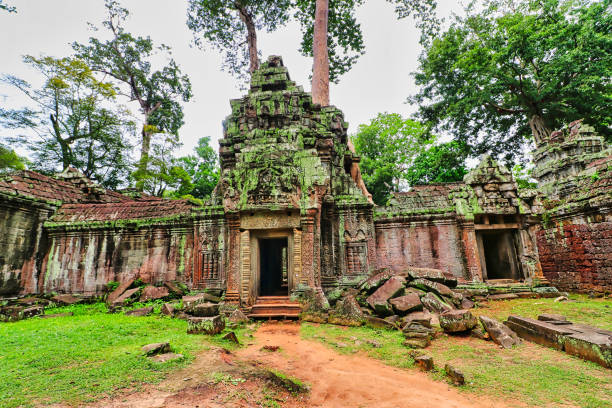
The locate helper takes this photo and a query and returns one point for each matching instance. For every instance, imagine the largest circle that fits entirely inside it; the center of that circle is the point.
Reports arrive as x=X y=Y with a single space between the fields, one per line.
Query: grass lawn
x=528 y=373
x=84 y=357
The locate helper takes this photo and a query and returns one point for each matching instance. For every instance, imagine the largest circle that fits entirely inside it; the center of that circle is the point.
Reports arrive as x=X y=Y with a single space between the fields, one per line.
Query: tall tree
x=519 y=69
x=127 y=60
x=203 y=169
x=75 y=119
x=388 y=146
x=231 y=27
x=166 y=175
x=10 y=161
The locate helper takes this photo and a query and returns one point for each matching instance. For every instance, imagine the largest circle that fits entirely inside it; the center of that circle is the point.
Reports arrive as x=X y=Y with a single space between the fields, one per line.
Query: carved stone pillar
x=233 y=263
x=470 y=246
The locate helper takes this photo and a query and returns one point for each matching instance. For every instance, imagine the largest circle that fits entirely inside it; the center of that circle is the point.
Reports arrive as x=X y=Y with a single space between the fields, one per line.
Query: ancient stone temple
x=286 y=217
x=574 y=170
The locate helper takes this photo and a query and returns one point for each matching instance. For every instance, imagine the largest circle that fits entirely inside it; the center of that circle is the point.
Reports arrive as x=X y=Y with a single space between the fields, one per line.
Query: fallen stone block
x=587 y=342
x=115 y=294
x=128 y=294
x=480 y=333
x=467 y=303
x=379 y=277
x=417 y=342
x=379 y=299
x=190 y=301
x=435 y=275
x=551 y=317
x=163 y=358
x=429 y=286
x=422 y=318
x=455 y=321
x=238 y=316
x=499 y=333
x=174 y=287
x=424 y=362
x=454 y=374
x=143 y=311
x=204 y=309
x=346 y=312
x=153 y=293
x=406 y=303
x=51 y=316
x=231 y=336
x=155 y=348
x=11 y=313
x=503 y=296
x=205 y=325
x=168 y=309
x=65 y=300
x=434 y=304
x=561 y=299
x=378 y=323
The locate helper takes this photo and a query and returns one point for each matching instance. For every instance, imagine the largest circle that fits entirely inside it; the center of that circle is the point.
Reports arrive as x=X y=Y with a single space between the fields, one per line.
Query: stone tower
x=296 y=218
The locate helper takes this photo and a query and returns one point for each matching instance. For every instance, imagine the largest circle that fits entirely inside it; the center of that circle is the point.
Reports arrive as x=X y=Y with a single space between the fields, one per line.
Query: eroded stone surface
x=455 y=321
x=205 y=325
x=499 y=332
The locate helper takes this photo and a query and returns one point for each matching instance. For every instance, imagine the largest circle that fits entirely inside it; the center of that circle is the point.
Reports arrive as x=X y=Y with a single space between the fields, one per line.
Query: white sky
x=379 y=82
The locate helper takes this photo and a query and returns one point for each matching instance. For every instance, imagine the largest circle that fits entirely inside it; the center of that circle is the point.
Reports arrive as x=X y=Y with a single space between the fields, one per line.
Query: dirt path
x=339 y=380
x=336 y=380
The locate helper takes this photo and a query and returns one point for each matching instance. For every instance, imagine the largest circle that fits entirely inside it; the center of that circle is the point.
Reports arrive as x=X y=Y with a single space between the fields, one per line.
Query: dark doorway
x=273 y=267
x=500 y=255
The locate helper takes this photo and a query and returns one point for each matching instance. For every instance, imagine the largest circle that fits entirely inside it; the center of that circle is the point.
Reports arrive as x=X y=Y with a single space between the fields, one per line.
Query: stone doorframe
x=250 y=268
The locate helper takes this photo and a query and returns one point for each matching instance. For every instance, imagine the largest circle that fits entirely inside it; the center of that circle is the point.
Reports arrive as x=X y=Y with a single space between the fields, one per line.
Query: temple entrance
x=498 y=255
x=273 y=267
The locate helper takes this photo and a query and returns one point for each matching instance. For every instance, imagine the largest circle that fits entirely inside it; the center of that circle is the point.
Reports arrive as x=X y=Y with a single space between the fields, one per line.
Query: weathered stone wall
x=576 y=252
x=85 y=261
x=20 y=240
x=421 y=243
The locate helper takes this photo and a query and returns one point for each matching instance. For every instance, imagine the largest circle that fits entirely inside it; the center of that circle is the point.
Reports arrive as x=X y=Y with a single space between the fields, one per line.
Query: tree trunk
x=320 y=68
x=247 y=19
x=144 y=153
x=539 y=130
x=66 y=155
x=356 y=174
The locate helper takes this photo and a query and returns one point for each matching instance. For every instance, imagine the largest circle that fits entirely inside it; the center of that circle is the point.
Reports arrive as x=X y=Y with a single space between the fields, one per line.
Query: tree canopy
x=388 y=146
x=6 y=7
x=518 y=69
x=440 y=163
x=127 y=60
x=202 y=168
x=75 y=119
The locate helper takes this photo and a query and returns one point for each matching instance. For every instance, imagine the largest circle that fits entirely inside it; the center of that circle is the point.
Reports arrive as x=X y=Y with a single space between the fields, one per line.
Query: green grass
x=580 y=309
x=530 y=373
x=84 y=357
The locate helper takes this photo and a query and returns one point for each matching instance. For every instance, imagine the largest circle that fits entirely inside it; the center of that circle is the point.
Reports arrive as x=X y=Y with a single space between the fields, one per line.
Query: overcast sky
x=380 y=81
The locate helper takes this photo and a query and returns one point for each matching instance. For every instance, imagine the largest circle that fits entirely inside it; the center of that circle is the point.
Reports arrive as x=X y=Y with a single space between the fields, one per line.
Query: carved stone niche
x=356 y=253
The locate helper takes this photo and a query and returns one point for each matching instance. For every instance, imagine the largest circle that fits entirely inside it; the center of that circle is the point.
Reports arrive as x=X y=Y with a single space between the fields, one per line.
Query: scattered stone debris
x=270 y=348
x=455 y=321
x=424 y=362
x=238 y=317
x=561 y=299
x=289 y=383
x=65 y=300
x=125 y=296
x=207 y=309
x=454 y=374
x=168 y=309
x=153 y=293
x=205 y=325
x=115 y=294
x=587 y=342
x=231 y=336
x=499 y=333
x=156 y=348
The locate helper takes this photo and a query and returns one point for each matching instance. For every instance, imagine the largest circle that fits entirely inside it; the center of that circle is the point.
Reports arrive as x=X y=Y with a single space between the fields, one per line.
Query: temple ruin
x=287 y=217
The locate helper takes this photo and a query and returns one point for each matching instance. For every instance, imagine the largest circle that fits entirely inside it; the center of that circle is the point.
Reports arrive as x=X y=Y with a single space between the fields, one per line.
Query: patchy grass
x=530 y=373
x=596 y=312
x=349 y=340
x=81 y=358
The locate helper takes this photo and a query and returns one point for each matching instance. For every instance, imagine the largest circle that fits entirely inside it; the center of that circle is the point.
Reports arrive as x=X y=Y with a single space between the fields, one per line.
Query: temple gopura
x=288 y=217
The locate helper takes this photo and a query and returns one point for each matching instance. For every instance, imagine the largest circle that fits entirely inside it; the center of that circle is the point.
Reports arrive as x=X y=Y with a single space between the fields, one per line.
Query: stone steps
x=268 y=307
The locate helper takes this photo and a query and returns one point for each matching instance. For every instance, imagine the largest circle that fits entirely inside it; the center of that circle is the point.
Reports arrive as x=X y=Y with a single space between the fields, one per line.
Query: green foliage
x=75 y=121
x=6 y=7
x=522 y=176
x=218 y=23
x=202 y=169
x=9 y=160
x=439 y=164
x=164 y=173
x=513 y=68
x=127 y=61
x=388 y=146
